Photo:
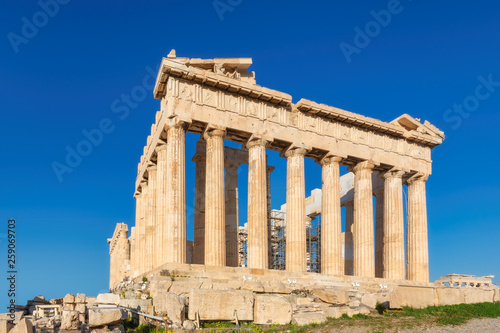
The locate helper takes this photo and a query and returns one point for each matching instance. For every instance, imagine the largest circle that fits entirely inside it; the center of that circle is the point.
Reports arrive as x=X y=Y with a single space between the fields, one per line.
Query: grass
x=377 y=322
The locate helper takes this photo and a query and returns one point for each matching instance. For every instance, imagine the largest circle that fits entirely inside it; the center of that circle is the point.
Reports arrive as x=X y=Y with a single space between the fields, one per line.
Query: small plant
x=144 y=279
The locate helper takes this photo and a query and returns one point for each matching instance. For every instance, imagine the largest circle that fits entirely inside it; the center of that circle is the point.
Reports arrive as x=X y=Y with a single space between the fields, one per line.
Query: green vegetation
x=144 y=279
x=382 y=321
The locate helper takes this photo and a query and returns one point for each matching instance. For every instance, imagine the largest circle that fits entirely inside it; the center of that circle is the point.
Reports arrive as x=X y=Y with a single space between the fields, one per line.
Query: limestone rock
x=477 y=295
x=47 y=323
x=101 y=317
x=448 y=296
x=188 y=325
x=108 y=298
x=184 y=286
x=69 y=307
x=306 y=318
x=333 y=311
x=80 y=298
x=332 y=296
x=221 y=304
x=90 y=300
x=5 y=326
x=272 y=310
x=255 y=286
x=137 y=304
x=413 y=296
x=81 y=308
x=70 y=320
x=56 y=301
x=109 y=329
x=171 y=305
x=24 y=326
x=69 y=298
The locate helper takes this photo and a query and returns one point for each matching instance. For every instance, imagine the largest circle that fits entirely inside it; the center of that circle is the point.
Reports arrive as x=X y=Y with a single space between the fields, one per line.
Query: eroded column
x=142 y=229
x=151 y=218
x=394 y=246
x=417 y=242
x=199 y=209
x=161 y=204
x=176 y=195
x=348 y=247
x=295 y=211
x=363 y=239
x=331 y=223
x=379 y=233
x=215 y=225
x=257 y=245
x=232 y=214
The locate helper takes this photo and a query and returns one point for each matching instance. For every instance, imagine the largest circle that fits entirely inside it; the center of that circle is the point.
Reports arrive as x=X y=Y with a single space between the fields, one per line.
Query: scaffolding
x=277 y=242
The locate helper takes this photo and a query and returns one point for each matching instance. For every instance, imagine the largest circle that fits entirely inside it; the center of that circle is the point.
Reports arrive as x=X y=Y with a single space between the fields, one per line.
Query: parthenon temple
x=220 y=100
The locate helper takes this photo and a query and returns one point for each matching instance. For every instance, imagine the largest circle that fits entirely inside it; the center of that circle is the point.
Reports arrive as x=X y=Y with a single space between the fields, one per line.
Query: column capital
x=419 y=177
x=151 y=166
x=160 y=147
x=199 y=158
x=231 y=165
x=364 y=165
x=270 y=168
x=176 y=122
x=295 y=151
x=348 y=203
x=256 y=142
x=379 y=192
x=329 y=159
x=214 y=132
x=393 y=173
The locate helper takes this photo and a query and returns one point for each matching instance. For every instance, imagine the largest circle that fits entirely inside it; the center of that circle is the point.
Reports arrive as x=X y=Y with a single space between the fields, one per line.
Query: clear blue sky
x=68 y=73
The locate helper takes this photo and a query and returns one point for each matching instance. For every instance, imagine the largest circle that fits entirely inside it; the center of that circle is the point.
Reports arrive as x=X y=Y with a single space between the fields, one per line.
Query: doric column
x=348 y=245
x=295 y=211
x=151 y=218
x=379 y=233
x=417 y=243
x=132 y=252
x=257 y=245
x=269 y=226
x=363 y=240
x=331 y=220
x=199 y=209
x=142 y=228
x=232 y=214
x=393 y=253
x=161 y=204
x=176 y=194
x=215 y=225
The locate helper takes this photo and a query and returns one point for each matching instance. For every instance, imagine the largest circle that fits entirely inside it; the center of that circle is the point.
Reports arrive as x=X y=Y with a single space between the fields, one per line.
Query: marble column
x=362 y=233
x=162 y=203
x=199 y=209
x=132 y=252
x=295 y=211
x=257 y=245
x=151 y=218
x=348 y=247
x=331 y=220
x=142 y=229
x=379 y=233
x=417 y=242
x=215 y=224
x=270 y=169
x=176 y=195
x=232 y=214
x=393 y=253
x=136 y=233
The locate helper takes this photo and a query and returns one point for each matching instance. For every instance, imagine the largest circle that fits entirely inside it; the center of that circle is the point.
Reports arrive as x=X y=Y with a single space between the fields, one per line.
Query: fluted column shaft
x=348 y=244
x=363 y=240
x=417 y=241
x=394 y=247
x=379 y=234
x=215 y=225
x=161 y=204
x=142 y=230
x=295 y=211
x=331 y=221
x=137 y=234
x=176 y=195
x=269 y=225
x=199 y=210
x=232 y=214
x=151 y=218
x=257 y=245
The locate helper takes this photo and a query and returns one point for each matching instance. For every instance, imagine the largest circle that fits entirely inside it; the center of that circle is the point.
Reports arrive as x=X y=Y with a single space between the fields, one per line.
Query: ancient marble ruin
x=220 y=100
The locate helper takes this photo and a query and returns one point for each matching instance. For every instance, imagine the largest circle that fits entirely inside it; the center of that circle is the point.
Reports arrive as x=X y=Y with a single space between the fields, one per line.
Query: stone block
x=371 y=299
x=449 y=296
x=304 y=300
x=255 y=286
x=70 y=320
x=56 y=301
x=101 y=317
x=24 y=326
x=496 y=298
x=171 y=305
x=221 y=304
x=184 y=286
x=90 y=300
x=272 y=310
x=412 y=296
x=5 y=326
x=69 y=307
x=333 y=311
x=69 y=298
x=45 y=323
x=82 y=317
x=137 y=304
x=306 y=318
x=278 y=287
x=80 y=298
x=108 y=298
x=332 y=296
x=477 y=295
x=81 y=308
